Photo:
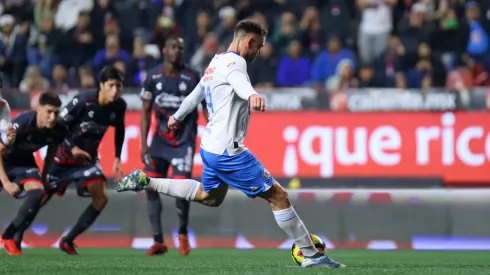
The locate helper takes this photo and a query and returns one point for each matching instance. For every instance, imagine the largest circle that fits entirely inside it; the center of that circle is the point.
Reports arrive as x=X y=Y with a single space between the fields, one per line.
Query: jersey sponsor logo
x=159 y=86
x=156 y=76
x=165 y=100
x=267 y=175
x=183 y=76
x=231 y=64
x=93 y=128
x=182 y=86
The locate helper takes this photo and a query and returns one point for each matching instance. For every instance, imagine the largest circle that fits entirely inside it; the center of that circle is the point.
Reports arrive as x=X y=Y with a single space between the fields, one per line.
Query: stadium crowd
x=335 y=44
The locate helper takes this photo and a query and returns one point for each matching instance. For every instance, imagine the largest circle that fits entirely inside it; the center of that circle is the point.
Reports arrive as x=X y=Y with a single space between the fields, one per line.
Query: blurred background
x=377 y=116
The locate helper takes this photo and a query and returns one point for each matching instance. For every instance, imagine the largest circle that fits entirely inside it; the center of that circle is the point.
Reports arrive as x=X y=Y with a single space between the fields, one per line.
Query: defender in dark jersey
x=19 y=173
x=165 y=88
x=88 y=117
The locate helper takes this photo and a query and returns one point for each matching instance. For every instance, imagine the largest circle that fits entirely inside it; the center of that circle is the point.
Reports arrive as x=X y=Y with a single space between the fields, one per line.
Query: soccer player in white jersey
x=7 y=132
x=230 y=97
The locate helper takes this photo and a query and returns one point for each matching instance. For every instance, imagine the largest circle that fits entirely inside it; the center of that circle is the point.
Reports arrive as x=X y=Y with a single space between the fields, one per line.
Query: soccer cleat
x=320 y=260
x=68 y=247
x=157 y=249
x=135 y=181
x=184 y=246
x=18 y=243
x=11 y=247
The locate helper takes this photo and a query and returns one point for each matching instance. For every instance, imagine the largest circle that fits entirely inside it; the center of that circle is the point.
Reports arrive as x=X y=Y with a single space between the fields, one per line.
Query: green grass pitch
x=230 y=261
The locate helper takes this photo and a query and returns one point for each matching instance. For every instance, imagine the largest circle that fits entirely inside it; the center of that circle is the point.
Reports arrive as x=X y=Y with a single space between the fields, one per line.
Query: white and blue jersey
x=226 y=88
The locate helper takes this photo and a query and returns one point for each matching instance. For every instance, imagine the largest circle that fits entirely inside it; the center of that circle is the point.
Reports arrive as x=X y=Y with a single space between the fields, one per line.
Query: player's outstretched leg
x=184 y=189
x=289 y=221
x=98 y=191
x=154 y=207
x=26 y=214
x=19 y=235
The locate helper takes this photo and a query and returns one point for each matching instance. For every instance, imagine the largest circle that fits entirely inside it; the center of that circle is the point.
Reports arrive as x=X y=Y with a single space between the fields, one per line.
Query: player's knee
x=35 y=194
x=277 y=193
x=100 y=202
x=98 y=191
x=33 y=185
x=212 y=202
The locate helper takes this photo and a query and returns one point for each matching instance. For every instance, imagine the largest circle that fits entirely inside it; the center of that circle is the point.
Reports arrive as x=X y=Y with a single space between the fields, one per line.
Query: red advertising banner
x=451 y=146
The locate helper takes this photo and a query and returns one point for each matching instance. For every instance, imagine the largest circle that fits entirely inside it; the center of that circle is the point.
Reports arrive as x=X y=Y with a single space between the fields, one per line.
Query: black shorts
x=61 y=175
x=180 y=158
x=22 y=174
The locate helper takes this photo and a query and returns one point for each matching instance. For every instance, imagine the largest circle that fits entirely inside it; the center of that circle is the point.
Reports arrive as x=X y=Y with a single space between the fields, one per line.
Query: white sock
x=288 y=220
x=178 y=188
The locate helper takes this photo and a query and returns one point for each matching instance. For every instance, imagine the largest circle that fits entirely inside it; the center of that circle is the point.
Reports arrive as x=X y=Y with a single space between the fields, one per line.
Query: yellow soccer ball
x=298 y=256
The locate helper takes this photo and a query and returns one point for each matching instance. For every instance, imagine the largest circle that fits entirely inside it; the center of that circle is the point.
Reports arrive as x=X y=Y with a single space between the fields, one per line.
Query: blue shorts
x=243 y=171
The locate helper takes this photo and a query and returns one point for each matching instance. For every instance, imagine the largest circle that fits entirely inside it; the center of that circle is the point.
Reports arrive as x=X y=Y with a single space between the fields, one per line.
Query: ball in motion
x=298 y=256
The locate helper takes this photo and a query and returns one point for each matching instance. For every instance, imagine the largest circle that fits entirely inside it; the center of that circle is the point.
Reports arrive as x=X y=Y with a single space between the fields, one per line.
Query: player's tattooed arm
x=145 y=128
x=118 y=142
x=70 y=116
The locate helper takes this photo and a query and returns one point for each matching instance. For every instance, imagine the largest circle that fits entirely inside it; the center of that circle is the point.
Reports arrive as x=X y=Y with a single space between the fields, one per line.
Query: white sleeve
x=4 y=120
x=190 y=102
x=238 y=78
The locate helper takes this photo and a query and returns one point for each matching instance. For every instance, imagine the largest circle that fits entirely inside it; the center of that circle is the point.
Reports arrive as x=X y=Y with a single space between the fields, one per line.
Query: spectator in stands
x=203 y=26
x=415 y=29
x=102 y=12
x=450 y=40
x=44 y=9
x=375 y=28
x=13 y=46
x=68 y=11
x=86 y=78
x=60 y=82
x=111 y=26
x=19 y=9
x=478 y=46
x=344 y=77
x=43 y=52
x=327 y=61
x=387 y=67
x=262 y=71
x=367 y=78
x=260 y=17
x=293 y=68
x=165 y=27
x=33 y=80
x=335 y=19
x=119 y=64
x=110 y=54
x=79 y=39
x=312 y=34
x=140 y=63
x=226 y=27
x=284 y=33
x=423 y=64
x=205 y=53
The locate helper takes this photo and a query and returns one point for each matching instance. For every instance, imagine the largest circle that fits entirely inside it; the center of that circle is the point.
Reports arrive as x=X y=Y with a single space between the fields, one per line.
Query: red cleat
x=11 y=247
x=184 y=246
x=157 y=249
x=68 y=247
